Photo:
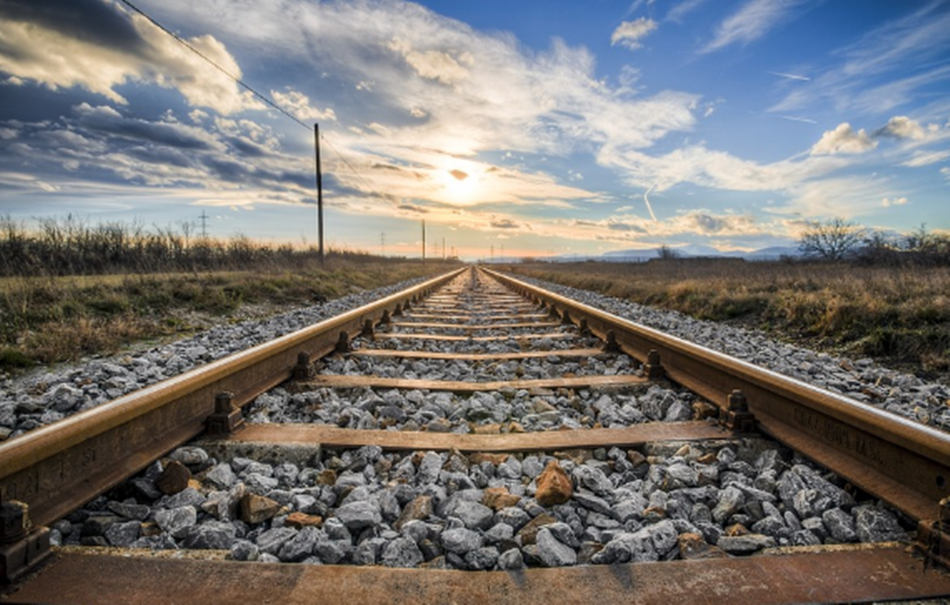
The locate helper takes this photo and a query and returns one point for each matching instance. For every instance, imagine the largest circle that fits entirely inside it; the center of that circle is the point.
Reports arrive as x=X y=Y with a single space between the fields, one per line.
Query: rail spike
x=227 y=417
x=304 y=369
x=933 y=537
x=736 y=415
x=22 y=546
x=653 y=369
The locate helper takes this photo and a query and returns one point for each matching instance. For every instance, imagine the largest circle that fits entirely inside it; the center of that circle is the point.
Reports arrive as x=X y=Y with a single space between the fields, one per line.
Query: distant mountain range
x=643 y=255
x=695 y=250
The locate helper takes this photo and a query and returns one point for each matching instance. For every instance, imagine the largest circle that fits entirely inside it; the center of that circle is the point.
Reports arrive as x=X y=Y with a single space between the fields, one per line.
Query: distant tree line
x=70 y=246
x=839 y=240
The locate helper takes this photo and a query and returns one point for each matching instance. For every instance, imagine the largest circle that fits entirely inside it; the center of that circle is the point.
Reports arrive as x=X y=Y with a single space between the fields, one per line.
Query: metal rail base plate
x=856 y=574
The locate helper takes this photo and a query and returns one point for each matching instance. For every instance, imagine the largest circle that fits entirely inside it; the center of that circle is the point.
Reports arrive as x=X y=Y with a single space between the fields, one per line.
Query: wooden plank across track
x=470 y=338
x=834 y=575
x=342 y=381
x=587 y=352
x=330 y=436
x=476 y=327
x=903 y=462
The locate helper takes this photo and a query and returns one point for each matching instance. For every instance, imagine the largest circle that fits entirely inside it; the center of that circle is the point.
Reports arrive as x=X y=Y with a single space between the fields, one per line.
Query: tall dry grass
x=101 y=288
x=898 y=314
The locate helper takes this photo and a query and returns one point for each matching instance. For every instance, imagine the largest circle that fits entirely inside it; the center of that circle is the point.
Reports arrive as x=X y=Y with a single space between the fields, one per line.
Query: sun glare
x=459 y=184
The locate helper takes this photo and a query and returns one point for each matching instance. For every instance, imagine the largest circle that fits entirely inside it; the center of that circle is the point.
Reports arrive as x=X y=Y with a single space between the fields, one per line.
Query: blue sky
x=530 y=127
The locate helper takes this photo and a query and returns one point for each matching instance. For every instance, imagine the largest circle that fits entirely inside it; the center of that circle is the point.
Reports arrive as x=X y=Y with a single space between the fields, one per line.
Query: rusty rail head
x=57 y=467
x=905 y=463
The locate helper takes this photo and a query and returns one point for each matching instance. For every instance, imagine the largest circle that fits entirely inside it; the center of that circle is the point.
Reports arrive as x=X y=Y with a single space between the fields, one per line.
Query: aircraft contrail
x=646 y=200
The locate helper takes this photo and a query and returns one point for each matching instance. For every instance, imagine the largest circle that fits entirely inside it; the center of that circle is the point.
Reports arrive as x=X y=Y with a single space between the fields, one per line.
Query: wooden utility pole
x=316 y=144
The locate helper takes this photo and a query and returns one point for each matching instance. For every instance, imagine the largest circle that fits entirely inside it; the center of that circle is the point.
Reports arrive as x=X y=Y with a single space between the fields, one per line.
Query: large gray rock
x=401 y=552
x=461 y=540
x=875 y=525
x=176 y=521
x=300 y=546
x=123 y=534
x=357 y=515
x=553 y=552
x=271 y=541
x=809 y=494
x=212 y=535
x=746 y=544
x=840 y=525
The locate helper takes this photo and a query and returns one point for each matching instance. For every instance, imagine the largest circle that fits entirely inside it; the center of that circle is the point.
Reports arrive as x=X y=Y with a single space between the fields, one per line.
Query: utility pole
x=382 y=243
x=204 y=224
x=316 y=145
x=443 y=249
x=423 y=241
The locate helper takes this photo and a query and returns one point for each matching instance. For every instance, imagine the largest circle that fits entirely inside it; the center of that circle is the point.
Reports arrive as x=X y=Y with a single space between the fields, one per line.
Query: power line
x=214 y=64
x=249 y=88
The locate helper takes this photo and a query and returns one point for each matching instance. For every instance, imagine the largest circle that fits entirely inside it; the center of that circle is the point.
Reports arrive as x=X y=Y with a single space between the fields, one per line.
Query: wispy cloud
x=799 y=119
x=881 y=70
x=629 y=33
x=790 y=76
x=754 y=20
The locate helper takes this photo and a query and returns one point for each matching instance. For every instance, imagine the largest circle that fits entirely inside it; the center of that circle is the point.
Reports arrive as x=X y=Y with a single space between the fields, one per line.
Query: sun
x=459 y=184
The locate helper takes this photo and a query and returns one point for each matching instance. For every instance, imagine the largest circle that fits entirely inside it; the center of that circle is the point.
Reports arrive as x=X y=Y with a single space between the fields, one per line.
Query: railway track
x=475 y=422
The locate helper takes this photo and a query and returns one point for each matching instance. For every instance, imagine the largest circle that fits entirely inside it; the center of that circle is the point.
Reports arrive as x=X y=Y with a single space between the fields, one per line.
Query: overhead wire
x=249 y=88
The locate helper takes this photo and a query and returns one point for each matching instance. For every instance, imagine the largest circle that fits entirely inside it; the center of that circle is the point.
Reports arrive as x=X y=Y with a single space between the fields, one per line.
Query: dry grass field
x=50 y=319
x=897 y=315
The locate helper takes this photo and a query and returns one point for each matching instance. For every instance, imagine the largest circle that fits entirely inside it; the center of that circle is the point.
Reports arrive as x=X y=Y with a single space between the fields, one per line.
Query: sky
x=516 y=128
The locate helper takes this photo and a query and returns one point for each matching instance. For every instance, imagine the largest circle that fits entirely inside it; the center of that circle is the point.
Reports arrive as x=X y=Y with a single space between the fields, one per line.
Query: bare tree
x=833 y=240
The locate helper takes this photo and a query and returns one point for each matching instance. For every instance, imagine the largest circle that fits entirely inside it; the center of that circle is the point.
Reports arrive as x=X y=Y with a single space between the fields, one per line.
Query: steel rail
x=56 y=468
x=905 y=463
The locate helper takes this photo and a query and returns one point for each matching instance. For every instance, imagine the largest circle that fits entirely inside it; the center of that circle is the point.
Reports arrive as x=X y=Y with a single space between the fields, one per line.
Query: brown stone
x=654 y=514
x=515 y=427
x=529 y=533
x=577 y=456
x=174 y=478
x=494 y=459
x=487 y=429
x=539 y=406
x=693 y=546
x=635 y=457
x=497 y=498
x=257 y=509
x=418 y=509
x=301 y=520
x=709 y=458
x=150 y=528
x=327 y=477
x=703 y=410
x=456 y=462
x=439 y=425
x=737 y=530
x=554 y=486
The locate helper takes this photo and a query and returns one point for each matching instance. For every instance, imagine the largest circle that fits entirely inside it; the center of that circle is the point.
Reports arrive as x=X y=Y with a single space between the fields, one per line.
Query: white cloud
x=843 y=140
x=754 y=20
x=629 y=33
x=60 y=57
x=897 y=201
x=902 y=127
x=433 y=64
x=925 y=158
x=299 y=106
